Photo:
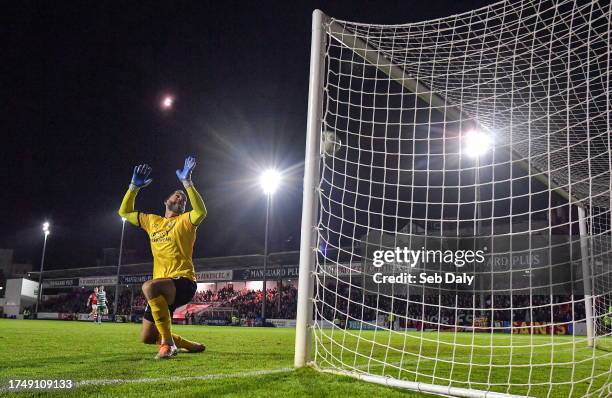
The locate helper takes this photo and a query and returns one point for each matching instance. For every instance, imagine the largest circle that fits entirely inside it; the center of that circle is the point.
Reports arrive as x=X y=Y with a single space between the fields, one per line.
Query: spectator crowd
x=281 y=303
x=340 y=303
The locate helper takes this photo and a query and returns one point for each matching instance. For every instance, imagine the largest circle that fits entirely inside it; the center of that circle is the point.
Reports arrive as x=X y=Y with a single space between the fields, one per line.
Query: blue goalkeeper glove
x=185 y=174
x=140 y=178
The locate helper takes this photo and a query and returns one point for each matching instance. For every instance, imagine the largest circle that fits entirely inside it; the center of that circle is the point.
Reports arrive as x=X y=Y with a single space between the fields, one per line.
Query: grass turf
x=85 y=351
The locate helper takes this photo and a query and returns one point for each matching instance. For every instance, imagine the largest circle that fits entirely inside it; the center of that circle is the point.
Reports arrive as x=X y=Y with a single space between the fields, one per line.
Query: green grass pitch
x=257 y=362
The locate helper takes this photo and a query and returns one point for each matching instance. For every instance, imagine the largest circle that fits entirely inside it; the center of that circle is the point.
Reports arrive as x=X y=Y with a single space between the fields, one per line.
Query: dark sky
x=80 y=85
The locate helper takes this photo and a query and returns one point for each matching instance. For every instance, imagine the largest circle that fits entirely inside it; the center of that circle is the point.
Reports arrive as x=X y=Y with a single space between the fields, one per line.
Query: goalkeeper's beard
x=178 y=208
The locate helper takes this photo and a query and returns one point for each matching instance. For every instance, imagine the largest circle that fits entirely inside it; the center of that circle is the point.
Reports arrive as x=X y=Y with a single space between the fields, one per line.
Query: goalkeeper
x=172 y=238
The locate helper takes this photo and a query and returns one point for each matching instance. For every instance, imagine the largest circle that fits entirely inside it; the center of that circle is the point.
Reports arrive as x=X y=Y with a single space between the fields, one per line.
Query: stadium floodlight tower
x=123 y=220
x=476 y=144
x=269 y=181
x=524 y=84
x=46 y=232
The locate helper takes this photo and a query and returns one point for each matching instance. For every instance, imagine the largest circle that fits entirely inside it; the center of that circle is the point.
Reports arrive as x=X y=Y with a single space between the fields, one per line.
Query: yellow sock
x=161 y=315
x=182 y=342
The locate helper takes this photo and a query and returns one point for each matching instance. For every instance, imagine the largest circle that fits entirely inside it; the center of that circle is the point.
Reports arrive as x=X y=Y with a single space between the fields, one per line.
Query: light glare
x=167 y=102
x=269 y=181
x=476 y=143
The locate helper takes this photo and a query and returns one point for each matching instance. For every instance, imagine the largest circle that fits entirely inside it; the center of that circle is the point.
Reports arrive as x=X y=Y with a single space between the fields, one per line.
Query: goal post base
x=448 y=391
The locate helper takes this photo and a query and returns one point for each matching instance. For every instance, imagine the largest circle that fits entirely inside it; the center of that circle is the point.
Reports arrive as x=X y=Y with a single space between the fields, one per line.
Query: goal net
x=456 y=231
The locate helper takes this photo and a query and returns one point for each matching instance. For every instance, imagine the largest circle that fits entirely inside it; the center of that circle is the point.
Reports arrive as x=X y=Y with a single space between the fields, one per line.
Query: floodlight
x=269 y=181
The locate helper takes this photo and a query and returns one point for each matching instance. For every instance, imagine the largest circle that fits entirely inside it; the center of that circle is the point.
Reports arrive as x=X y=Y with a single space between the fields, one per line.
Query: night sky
x=80 y=88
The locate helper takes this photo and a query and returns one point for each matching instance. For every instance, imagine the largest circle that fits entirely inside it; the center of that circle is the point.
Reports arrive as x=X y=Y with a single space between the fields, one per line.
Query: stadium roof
x=201 y=264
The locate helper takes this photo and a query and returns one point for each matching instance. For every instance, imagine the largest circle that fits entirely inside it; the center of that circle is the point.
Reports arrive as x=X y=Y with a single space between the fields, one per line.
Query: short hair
x=179 y=191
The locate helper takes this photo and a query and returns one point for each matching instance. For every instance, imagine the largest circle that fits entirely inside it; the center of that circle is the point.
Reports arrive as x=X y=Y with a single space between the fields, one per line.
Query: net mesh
x=488 y=130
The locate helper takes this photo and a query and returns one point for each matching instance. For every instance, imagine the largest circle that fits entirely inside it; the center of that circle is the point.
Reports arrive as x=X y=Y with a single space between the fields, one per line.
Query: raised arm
x=140 y=179
x=199 y=209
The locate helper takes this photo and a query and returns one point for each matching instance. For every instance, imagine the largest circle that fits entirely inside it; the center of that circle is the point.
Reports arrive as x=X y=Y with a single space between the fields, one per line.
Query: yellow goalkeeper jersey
x=172 y=241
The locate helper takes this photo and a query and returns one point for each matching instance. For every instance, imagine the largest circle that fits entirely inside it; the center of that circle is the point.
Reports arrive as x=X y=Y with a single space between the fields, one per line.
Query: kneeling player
x=172 y=238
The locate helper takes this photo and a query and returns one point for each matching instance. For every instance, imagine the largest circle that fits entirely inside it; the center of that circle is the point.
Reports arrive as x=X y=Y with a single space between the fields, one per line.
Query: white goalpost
x=456 y=223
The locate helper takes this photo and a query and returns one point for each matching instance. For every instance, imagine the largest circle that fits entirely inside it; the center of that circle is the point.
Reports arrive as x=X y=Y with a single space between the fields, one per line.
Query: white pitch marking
x=103 y=382
x=264 y=372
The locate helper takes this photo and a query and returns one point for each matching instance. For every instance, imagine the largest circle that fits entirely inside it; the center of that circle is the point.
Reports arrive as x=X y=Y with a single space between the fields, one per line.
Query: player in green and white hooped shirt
x=102 y=308
x=608 y=317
